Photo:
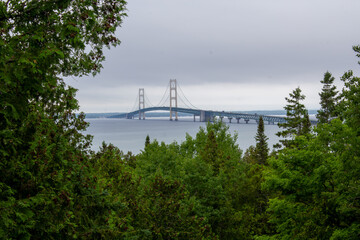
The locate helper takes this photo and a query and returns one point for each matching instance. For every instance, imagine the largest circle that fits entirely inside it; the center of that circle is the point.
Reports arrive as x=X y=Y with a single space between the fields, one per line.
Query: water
x=129 y=135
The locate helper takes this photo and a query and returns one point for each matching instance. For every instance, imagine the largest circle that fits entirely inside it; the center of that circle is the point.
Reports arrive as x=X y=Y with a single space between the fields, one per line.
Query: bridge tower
x=173 y=98
x=141 y=103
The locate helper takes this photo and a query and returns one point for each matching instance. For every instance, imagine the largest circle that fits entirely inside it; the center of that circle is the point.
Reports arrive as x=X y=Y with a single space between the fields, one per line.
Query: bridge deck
x=209 y=115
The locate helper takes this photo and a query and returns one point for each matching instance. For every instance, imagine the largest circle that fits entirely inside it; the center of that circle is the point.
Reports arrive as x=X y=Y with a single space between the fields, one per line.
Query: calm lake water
x=129 y=135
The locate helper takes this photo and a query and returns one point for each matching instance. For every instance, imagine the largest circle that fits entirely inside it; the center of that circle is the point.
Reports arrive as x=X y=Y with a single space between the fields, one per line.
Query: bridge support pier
x=238 y=119
x=204 y=116
x=230 y=118
x=194 y=118
x=247 y=121
x=221 y=118
x=142 y=114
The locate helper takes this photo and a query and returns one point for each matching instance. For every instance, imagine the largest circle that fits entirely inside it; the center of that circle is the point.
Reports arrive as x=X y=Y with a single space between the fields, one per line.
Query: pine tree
x=262 y=149
x=348 y=107
x=147 y=140
x=296 y=119
x=306 y=124
x=328 y=99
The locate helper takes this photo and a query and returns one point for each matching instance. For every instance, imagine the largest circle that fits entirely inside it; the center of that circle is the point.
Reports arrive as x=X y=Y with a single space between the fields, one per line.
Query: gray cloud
x=207 y=42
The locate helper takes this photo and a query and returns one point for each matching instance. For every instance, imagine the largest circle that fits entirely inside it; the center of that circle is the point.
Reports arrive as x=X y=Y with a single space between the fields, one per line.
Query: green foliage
x=159 y=158
x=350 y=101
x=254 y=220
x=202 y=188
x=152 y=207
x=211 y=154
x=306 y=125
x=53 y=187
x=212 y=173
x=297 y=122
x=218 y=186
x=318 y=185
x=328 y=99
x=166 y=214
x=351 y=233
x=47 y=187
x=357 y=50
x=41 y=40
x=317 y=191
x=147 y=140
x=261 y=149
x=250 y=155
x=214 y=145
x=48 y=175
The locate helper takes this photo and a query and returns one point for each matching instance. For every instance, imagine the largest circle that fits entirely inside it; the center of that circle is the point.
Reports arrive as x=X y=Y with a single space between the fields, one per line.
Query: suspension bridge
x=173 y=97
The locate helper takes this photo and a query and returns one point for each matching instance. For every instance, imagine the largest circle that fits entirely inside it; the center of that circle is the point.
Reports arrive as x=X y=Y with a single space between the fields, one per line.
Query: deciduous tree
x=47 y=187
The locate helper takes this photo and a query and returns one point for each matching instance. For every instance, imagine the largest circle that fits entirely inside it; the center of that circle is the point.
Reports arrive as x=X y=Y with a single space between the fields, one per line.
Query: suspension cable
x=183 y=102
x=148 y=101
x=135 y=103
x=158 y=105
x=162 y=104
x=186 y=98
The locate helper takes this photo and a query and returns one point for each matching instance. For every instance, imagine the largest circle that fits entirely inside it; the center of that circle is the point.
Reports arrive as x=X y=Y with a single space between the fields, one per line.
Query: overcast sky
x=225 y=55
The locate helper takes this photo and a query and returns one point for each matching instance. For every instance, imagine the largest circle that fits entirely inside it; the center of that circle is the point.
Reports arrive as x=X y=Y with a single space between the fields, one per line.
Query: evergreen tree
x=306 y=124
x=317 y=186
x=261 y=149
x=328 y=99
x=317 y=183
x=296 y=119
x=147 y=140
x=349 y=103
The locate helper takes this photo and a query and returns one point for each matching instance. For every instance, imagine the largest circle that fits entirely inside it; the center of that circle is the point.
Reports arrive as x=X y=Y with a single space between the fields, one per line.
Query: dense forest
x=52 y=186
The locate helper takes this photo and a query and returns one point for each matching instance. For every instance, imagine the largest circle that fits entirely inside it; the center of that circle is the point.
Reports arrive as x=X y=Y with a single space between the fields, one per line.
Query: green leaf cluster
x=219 y=186
x=48 y=189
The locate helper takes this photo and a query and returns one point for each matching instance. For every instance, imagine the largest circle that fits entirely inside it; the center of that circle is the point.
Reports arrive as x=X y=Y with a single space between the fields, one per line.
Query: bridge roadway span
x=208 y=115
